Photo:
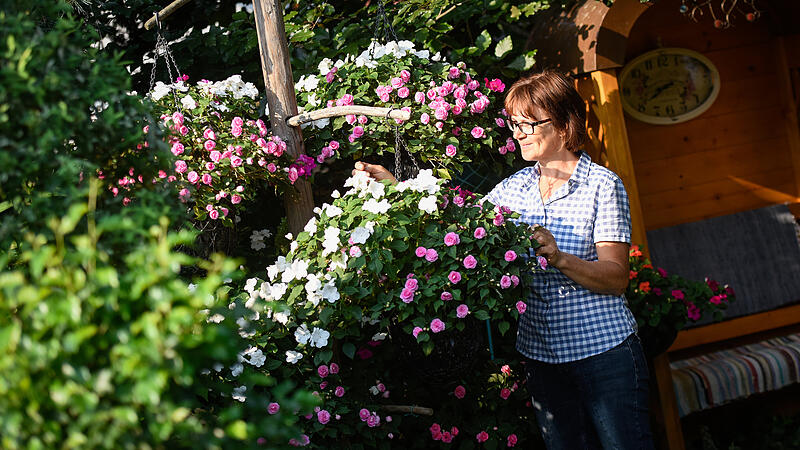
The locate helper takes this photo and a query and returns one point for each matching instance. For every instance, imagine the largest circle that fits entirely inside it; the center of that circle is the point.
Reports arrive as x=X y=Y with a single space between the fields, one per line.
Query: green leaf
x=237 y=430
x=481 y=314
x=349 y=349
x=503 y=327
x=523 y=62
x=503 y=47
x=323 y=357
x=483 y=41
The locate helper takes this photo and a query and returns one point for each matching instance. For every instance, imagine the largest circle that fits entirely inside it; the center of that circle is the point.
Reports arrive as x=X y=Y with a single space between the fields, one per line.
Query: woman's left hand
x=549 y=248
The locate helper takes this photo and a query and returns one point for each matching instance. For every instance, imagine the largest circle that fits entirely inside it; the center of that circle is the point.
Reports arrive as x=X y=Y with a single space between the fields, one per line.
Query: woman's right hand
x=375 y=171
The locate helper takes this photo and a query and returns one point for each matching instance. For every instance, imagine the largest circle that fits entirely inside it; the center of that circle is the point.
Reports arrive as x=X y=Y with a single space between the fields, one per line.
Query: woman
x=585 y=366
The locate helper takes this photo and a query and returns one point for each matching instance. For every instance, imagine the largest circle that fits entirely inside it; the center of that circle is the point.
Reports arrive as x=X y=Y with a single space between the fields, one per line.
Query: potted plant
x=663 y=304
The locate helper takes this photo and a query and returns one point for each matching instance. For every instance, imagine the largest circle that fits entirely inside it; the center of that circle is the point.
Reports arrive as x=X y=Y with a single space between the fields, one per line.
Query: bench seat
x=716 y=378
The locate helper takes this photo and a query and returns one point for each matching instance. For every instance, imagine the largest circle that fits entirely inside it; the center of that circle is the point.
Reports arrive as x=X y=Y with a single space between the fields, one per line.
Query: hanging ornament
x=722 y=11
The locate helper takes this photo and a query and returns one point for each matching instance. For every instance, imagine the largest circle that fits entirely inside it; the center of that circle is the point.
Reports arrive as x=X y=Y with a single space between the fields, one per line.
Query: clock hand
x=660 y=90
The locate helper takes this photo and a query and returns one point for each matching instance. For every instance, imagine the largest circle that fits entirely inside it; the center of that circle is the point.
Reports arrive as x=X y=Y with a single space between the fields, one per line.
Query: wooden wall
x=738 y=154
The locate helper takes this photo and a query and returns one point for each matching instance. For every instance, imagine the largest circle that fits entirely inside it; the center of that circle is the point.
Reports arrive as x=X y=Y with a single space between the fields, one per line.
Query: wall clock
x=668 y=85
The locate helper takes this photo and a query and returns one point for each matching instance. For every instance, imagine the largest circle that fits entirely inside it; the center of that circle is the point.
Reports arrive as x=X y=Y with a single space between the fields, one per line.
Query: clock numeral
x=648 y=64
x=670 y=110
x=663 y=61
x=636 y=73
x=640 y=107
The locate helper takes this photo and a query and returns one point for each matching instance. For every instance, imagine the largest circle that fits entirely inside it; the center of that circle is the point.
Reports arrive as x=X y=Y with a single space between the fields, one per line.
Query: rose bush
x=223 y=152
x=455 y=115
x=382 y=266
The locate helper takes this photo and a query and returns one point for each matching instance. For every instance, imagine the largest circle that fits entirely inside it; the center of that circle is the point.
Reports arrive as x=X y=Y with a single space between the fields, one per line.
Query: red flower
x=644 y=286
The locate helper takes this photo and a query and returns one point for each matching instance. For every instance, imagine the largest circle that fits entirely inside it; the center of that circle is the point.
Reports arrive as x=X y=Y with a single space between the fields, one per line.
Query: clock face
x=668 y=86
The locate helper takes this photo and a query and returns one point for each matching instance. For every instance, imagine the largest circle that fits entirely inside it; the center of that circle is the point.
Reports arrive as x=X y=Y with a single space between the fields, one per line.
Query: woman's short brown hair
x=554 y=94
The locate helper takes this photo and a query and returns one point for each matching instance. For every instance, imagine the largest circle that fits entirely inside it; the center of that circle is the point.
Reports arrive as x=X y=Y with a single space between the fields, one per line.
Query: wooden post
x=615 y=139
x=282 y=102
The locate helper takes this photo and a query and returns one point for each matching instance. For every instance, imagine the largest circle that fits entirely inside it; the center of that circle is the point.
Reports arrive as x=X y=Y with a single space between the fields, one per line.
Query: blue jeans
x=597 y=402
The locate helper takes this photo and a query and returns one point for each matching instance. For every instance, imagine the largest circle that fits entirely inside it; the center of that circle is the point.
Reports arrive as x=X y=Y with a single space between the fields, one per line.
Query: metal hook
x=158 y=22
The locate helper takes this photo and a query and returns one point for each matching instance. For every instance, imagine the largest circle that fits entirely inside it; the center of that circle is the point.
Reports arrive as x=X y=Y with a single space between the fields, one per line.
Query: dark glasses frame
x=513 y=126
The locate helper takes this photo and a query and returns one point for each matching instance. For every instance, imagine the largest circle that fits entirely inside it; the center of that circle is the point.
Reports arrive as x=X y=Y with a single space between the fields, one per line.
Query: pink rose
x=407 y=295
x=322 y=371
x=373 y=421
x=237 y=122
x=506 y=370
x=213 y=214
x=459 y=392
x=431 y=255
x=505 y=282
x=455 y=277
x=451 y=239
x=334 y=145
x=192 y=177
x=453 y=73
x=420 y=251
x=405 y=75
x=419 y=97
x=403 y=92
x=350 y=118
x=542 y=261
x=511 y=440
x=272 y=167
x=416 y=331
x=207 y=179
x=439 y=125
x=215 y=155
x=273 y=408
x=498 y=219
x=210 y=165
x=334 y=368
x=363 y=120
x=364 y=414
x=482 y=436
x=514 y=280
x=678 y=294
x=177 y=148
x=181 y=166
x=236 y=199
x=505 y=393
x=209 y=145
x=479 y=233
x=412 y=284
x=177 y=118
x=462 y=311
x=437 y=325
x=470 y=262
x=441 y=114
x=510 y=255
x=397 y=82
x=293 y=175
x=477 y=132
x=662 y=272
x=209 y=134
x=323 y=417
x=355 y=251
x=339 y=391
x=425 y=118
x=450 y=150
x=446 y=296
x=447 y=437
x=236 y=161
x=358 y=131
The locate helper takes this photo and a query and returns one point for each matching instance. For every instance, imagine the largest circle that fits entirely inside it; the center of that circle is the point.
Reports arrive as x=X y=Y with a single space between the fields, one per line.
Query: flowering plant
x=381 y=264
x=664 y=304
x=223 y=150
x=455 y=116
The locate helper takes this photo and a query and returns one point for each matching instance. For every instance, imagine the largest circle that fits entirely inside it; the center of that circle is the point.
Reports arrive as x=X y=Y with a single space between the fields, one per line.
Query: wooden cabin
x=733 y=147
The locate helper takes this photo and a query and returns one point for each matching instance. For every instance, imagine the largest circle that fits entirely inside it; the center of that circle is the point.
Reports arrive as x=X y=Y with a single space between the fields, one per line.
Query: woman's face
x=545 y=142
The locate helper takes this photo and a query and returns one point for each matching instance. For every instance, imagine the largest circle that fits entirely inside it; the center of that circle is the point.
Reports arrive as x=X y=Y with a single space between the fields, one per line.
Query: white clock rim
x=654 y=120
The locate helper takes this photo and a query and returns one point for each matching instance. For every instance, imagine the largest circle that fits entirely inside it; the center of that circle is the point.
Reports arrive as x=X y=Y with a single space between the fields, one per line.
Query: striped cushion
x=717 y=378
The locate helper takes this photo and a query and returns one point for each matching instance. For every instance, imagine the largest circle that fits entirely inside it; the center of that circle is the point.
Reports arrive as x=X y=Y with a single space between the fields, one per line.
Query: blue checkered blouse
x=565 y=321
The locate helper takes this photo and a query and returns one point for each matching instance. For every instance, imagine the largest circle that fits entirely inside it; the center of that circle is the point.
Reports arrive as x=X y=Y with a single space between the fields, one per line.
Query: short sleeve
x=613 y=220
x=497 y=194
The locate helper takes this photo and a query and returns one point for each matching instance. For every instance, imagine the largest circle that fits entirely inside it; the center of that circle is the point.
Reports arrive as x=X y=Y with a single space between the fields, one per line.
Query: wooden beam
x=164 y=13
x=338 y=111
x=608 y=108
x=733 y=328
x=789 y=101
x=669 y=406
x=282 y=103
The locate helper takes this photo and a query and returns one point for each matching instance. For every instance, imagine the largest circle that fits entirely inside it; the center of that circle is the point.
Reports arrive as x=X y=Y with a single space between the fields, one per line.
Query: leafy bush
x=101 y=355
x=388 y=274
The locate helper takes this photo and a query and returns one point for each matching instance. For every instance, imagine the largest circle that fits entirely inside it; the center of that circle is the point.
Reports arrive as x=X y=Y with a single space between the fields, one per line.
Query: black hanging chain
x=383 y=27
x=162 y=50
x=399 y=146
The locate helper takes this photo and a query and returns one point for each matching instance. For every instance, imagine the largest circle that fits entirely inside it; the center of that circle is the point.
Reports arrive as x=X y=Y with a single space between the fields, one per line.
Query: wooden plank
x=615 y=140
x=790 y=98
x=274 y=50
x=718 y=164
x=719 y=207
x=669 y=406
x=747 y=127
x=733 y=328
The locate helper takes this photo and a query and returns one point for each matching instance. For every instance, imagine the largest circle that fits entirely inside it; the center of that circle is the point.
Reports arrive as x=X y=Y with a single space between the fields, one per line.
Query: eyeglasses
x=526 y=127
